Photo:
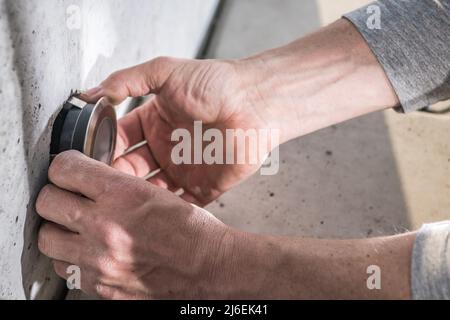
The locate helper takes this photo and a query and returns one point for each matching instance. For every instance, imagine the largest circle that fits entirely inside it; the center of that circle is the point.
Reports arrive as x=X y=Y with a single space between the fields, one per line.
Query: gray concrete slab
x=379 y=174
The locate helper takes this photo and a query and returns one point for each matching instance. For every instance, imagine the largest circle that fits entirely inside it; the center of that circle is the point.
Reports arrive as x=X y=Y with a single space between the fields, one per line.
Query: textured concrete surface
x=376 y=175
x=47 y=48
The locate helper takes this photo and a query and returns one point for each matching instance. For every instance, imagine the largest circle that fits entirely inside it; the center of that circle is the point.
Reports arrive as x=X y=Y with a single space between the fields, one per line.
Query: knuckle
x=103 y=291
x=106 y=192
x=113 y=79
x=75 y=217
x=119 y=241
x=106 y=266
x=62 y=162
x=161 y=60
x=160 y=63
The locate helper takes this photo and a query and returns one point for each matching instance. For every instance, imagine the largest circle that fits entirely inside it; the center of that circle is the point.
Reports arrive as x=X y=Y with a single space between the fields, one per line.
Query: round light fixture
x=88 y=128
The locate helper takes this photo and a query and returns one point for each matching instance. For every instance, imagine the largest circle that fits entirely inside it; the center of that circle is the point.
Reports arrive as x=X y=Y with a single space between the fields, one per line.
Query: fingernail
x=92 y=91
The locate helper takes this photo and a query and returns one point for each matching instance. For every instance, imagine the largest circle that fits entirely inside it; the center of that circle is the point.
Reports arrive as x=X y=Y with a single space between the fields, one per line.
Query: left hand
x=129 y=238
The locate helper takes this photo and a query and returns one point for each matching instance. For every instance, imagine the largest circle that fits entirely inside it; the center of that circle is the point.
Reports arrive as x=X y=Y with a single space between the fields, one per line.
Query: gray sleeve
x=430 y=267
x=411 y=40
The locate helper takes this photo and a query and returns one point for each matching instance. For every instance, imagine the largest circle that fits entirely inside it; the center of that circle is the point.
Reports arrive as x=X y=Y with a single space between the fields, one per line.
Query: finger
x=162 y=180
x=138 y=163
x=136 y=81
x=62 y=207
x=108 y=292
x=129 y=133
x=91 y=95
x=62 y=268
x=73 y=171
x=89 y=283
x=66 y=270
x=58 y=244
x=86 y=278
x=131 y=129
x=189 y=197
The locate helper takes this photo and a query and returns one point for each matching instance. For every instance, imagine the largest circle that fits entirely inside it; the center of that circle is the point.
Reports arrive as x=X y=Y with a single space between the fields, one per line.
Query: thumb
x=136 y=81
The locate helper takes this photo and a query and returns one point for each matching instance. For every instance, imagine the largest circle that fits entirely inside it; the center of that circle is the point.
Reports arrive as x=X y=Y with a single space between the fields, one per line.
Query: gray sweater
x=411 y=40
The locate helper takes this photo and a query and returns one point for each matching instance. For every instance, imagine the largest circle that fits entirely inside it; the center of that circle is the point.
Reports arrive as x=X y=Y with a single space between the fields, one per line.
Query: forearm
x=322 y=79
x=297 y=268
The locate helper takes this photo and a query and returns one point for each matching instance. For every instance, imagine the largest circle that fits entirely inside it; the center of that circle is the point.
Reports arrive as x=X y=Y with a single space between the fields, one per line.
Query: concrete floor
x=379 y=174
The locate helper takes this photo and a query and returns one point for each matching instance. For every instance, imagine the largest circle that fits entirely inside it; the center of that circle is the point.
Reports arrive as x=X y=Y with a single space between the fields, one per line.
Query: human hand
x=221 y=94
x=130 y=238
x=319 y=80
x=134 y=240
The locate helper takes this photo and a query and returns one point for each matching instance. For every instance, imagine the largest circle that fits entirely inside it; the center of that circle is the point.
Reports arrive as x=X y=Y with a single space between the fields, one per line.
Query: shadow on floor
x=340 y=182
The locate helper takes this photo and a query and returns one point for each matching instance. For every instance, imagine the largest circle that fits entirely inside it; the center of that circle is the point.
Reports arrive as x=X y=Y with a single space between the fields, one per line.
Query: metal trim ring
x=77 y=125
x=102 y=110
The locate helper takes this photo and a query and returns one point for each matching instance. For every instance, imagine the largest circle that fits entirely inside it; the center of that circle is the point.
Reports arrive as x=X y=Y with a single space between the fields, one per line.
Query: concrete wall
x=47 y=48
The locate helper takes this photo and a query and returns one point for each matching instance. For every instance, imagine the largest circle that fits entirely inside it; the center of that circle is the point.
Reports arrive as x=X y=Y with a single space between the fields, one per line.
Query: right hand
x=220 y=93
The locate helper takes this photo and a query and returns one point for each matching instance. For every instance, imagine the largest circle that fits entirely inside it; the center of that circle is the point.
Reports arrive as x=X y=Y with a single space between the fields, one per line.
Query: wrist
x=249 y=266
x=260 y=88
x=322 y=79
